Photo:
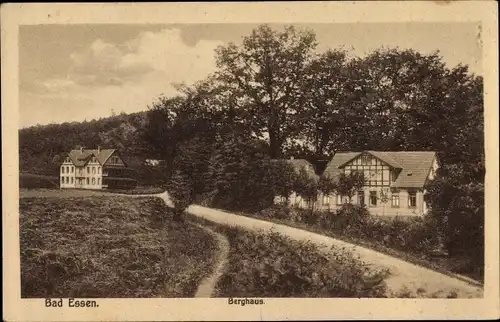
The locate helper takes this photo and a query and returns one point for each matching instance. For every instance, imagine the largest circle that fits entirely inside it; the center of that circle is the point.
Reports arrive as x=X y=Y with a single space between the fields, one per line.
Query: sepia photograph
x=249 y=161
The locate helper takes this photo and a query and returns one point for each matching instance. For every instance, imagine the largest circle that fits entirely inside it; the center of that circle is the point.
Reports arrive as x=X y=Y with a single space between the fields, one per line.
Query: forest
x=273 y=97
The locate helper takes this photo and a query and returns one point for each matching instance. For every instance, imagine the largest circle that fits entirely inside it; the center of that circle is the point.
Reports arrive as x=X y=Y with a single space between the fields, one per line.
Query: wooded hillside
x=41 y=148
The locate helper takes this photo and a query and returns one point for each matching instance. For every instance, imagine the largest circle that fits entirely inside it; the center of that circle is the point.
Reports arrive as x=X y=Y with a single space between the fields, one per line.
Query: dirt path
x=404 y=276
x=207 y=285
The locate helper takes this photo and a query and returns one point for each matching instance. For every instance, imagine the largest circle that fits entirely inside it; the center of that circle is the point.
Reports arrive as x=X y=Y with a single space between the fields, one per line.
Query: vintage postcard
x=250 y=161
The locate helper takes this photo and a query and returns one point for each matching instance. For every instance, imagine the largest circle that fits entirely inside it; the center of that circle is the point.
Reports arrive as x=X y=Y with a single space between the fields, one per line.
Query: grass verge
x=267 y=264
x=109 y=247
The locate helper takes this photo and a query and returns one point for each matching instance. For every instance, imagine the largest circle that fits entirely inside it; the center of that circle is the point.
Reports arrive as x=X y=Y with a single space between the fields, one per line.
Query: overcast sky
x=72 y=73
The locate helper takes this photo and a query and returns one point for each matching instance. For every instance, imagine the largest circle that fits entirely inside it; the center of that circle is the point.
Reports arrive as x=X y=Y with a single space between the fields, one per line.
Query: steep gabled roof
x=414 y=165
x=387 y=158
x=416 y=168
x=81 y=157
x=333 y=168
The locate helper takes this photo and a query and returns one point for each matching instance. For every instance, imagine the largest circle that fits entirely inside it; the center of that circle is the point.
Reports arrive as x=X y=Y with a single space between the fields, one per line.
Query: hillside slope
x=42 y=147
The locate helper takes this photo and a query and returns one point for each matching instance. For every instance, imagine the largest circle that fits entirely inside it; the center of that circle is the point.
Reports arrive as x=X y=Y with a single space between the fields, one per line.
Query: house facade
x=394 y=181
x=95 y=169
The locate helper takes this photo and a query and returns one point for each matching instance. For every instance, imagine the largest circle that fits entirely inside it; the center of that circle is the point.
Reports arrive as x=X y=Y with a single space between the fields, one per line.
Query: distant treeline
x=42 y=147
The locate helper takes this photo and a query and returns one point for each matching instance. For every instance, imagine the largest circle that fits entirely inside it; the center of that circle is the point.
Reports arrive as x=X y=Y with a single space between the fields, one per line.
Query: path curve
x=207 y=285
x=404 y=275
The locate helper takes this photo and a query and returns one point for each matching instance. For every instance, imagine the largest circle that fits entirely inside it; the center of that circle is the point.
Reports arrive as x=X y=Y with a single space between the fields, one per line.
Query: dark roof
x=81 y=157
x=414 y=165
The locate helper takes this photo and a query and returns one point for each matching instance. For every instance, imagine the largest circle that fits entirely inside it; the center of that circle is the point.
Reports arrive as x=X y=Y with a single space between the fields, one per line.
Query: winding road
x=404 y=276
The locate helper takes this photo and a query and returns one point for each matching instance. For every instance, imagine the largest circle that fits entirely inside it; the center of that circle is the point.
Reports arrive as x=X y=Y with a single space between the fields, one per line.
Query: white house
x=95 y=169
x=394 y=181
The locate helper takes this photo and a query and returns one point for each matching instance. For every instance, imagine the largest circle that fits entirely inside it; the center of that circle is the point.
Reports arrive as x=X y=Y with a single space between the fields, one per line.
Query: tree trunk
x=274 y=146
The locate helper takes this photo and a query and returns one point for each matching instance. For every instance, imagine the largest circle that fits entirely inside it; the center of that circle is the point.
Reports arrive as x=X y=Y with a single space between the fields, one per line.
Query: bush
x=417 y=235
x=271 y=265
x=353 y=211
x=276 y=212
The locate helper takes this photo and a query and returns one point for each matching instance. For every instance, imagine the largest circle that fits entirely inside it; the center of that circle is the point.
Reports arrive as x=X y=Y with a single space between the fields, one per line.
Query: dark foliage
x=271 y=265
x=271 y=96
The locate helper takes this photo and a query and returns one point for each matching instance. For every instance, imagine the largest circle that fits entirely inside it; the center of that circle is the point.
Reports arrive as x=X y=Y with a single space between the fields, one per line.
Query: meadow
x=81 y=244
x=268 y=264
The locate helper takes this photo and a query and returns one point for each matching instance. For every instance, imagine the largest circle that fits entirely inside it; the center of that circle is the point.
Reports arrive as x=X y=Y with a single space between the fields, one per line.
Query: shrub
x=353 y=211
x=271 y=265
x=276 y=212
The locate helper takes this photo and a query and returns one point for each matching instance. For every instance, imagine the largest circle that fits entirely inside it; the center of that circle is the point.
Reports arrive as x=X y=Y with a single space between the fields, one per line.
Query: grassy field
x=267 y=264
x=35 y=181
x=67 y=193
x=108 y=246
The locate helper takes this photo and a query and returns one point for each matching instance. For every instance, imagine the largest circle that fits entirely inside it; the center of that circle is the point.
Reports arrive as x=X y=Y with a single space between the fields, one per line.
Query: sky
x=82 y=72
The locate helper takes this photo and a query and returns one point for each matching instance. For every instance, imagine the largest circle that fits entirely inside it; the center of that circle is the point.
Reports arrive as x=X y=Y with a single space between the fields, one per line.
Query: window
x=339 y=200
x=373 y=198
x=93 y=181
x=67 y=169
x=72 y=169
x=71 y=180
x=326 y=199
x=412 y=199
x=62 y=179
x=98 y=169
x=93 y=170
x=98 y=181
x=88 y=181
x=395 y=200
x=88 y=169
x=67 y=179
x=62 y=170
x=361 y=198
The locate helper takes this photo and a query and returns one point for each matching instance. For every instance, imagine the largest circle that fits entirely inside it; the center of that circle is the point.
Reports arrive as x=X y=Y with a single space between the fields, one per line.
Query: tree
x=241 y=174
x=326 y=185
x=191 y=173
x=265 y=74
x=348 y=184
x=180 y=191
x=306 y=186
x=328 y=90
x=283 y=176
